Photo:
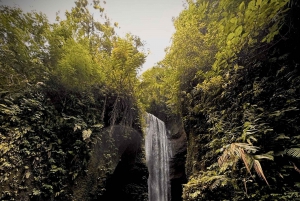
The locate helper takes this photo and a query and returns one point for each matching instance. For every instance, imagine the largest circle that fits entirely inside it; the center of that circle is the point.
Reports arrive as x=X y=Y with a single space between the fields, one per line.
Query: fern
x=293 y=152
x=237 y=151
x=259 y=170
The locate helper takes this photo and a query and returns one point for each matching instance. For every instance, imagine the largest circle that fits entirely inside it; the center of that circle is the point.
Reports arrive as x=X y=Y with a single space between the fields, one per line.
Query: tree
x=23 y=48
x=123 y=64
x=212 y=36
x=76 y=68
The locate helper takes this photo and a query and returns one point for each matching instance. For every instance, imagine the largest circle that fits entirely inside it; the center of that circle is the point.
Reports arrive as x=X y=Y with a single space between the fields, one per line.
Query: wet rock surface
x=178 y=141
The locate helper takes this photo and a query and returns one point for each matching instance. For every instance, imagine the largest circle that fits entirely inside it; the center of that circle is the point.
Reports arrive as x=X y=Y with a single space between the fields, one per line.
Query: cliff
x=243 y=139
x=67 y=145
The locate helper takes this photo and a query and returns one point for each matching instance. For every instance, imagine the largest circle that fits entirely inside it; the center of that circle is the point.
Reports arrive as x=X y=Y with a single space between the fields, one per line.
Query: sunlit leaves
x=76 y=67
x=85 y=51
x=210 y=36
x=242 y=6
x=22 y=49
x=152 y=87
x=123 y=64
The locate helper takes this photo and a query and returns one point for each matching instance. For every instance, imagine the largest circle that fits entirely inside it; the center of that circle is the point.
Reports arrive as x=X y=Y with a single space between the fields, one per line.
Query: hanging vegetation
x=60 y=84
x=232 y=72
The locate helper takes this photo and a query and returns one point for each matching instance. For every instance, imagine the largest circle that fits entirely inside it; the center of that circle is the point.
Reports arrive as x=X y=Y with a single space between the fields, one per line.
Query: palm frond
x=215 y=184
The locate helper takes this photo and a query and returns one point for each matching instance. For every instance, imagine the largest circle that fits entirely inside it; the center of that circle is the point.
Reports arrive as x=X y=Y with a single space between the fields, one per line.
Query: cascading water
x=157 y=158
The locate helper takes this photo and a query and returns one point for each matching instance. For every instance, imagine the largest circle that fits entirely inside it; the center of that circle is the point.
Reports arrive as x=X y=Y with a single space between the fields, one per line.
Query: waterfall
x=157 y=158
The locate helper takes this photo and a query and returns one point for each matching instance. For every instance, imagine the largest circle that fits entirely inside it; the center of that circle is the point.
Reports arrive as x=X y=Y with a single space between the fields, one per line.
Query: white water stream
x=157 y=158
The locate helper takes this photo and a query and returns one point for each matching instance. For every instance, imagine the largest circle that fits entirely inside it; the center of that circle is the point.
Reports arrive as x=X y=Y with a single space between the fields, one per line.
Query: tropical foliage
x=60 y=84
x=232 y=73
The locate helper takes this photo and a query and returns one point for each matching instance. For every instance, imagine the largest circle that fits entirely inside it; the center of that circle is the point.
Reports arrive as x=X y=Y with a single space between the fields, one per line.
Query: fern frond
x=294 y=152
x=243 y=156
x=259 y=170
x=236 y=151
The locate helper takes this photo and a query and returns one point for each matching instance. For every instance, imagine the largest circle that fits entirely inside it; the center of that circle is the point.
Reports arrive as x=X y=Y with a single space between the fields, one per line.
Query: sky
x=151 y=20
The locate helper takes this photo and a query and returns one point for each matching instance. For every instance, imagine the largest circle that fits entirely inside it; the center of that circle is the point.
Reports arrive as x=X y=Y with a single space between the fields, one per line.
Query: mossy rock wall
x=257 y=104
x=116 y=167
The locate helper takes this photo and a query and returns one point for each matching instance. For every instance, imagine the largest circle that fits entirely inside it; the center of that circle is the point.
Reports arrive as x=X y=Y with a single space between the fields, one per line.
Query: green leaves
x=22 y=48
x=211 y=35
x=242 y=6
x=254 y=104
x=230 y=36
x=36 y=192
x=38 y=143
x=234 y=20
x=239 y=31
x=86 y=134
x=76 y=68
x=122 y=65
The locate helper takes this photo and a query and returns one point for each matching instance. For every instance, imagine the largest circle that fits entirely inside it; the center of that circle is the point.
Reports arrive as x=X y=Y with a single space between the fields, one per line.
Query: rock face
x=178 y=141
x=116 y=168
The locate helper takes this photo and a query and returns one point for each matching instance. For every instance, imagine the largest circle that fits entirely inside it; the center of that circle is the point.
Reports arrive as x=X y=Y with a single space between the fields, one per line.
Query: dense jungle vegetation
x=60 y=84
x=231 y=74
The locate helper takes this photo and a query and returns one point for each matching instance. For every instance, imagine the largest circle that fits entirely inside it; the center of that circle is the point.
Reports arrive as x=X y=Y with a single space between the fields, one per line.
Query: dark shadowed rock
x=178 y=141
x=116 y=167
